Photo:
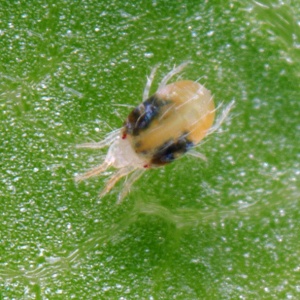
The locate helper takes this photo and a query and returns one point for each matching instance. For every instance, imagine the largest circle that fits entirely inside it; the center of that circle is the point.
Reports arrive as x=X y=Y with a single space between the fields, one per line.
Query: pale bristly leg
x=149 y=83
x=115 y=178
x=128 y=183
x=221 y=118
x=93 y=172
x=196 y=154
x=104 y=143
x=171 y=74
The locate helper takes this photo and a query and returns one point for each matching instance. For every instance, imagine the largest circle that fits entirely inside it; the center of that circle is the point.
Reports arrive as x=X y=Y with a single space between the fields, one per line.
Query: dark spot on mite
x=171 y=150
x=138 y=144
x=142 y=116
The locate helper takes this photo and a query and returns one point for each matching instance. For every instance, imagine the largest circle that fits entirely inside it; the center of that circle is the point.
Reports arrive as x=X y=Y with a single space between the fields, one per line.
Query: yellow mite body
x=169 y=123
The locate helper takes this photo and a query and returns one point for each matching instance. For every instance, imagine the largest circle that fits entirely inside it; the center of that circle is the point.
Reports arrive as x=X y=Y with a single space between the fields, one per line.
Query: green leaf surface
x=228 y=228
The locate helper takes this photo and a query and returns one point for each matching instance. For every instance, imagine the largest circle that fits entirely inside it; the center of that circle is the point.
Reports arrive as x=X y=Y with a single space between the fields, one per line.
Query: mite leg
x=115 y=178
x=93 y=172
x=197 y=154
x=171 y=74
x=149 y=83
x=108 y=140
x=127 y=185
x=221 y=118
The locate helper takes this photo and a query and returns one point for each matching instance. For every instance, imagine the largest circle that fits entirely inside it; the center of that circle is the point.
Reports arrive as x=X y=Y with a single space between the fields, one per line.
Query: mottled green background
x=225 y=229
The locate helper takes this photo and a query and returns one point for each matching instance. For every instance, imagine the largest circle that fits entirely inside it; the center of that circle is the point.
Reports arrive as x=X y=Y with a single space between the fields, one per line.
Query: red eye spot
x=146 y=166
x=124 y=136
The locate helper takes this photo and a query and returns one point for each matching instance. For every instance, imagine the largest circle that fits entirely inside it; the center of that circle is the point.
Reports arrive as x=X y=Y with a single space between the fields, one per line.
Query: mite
x=162 y=128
